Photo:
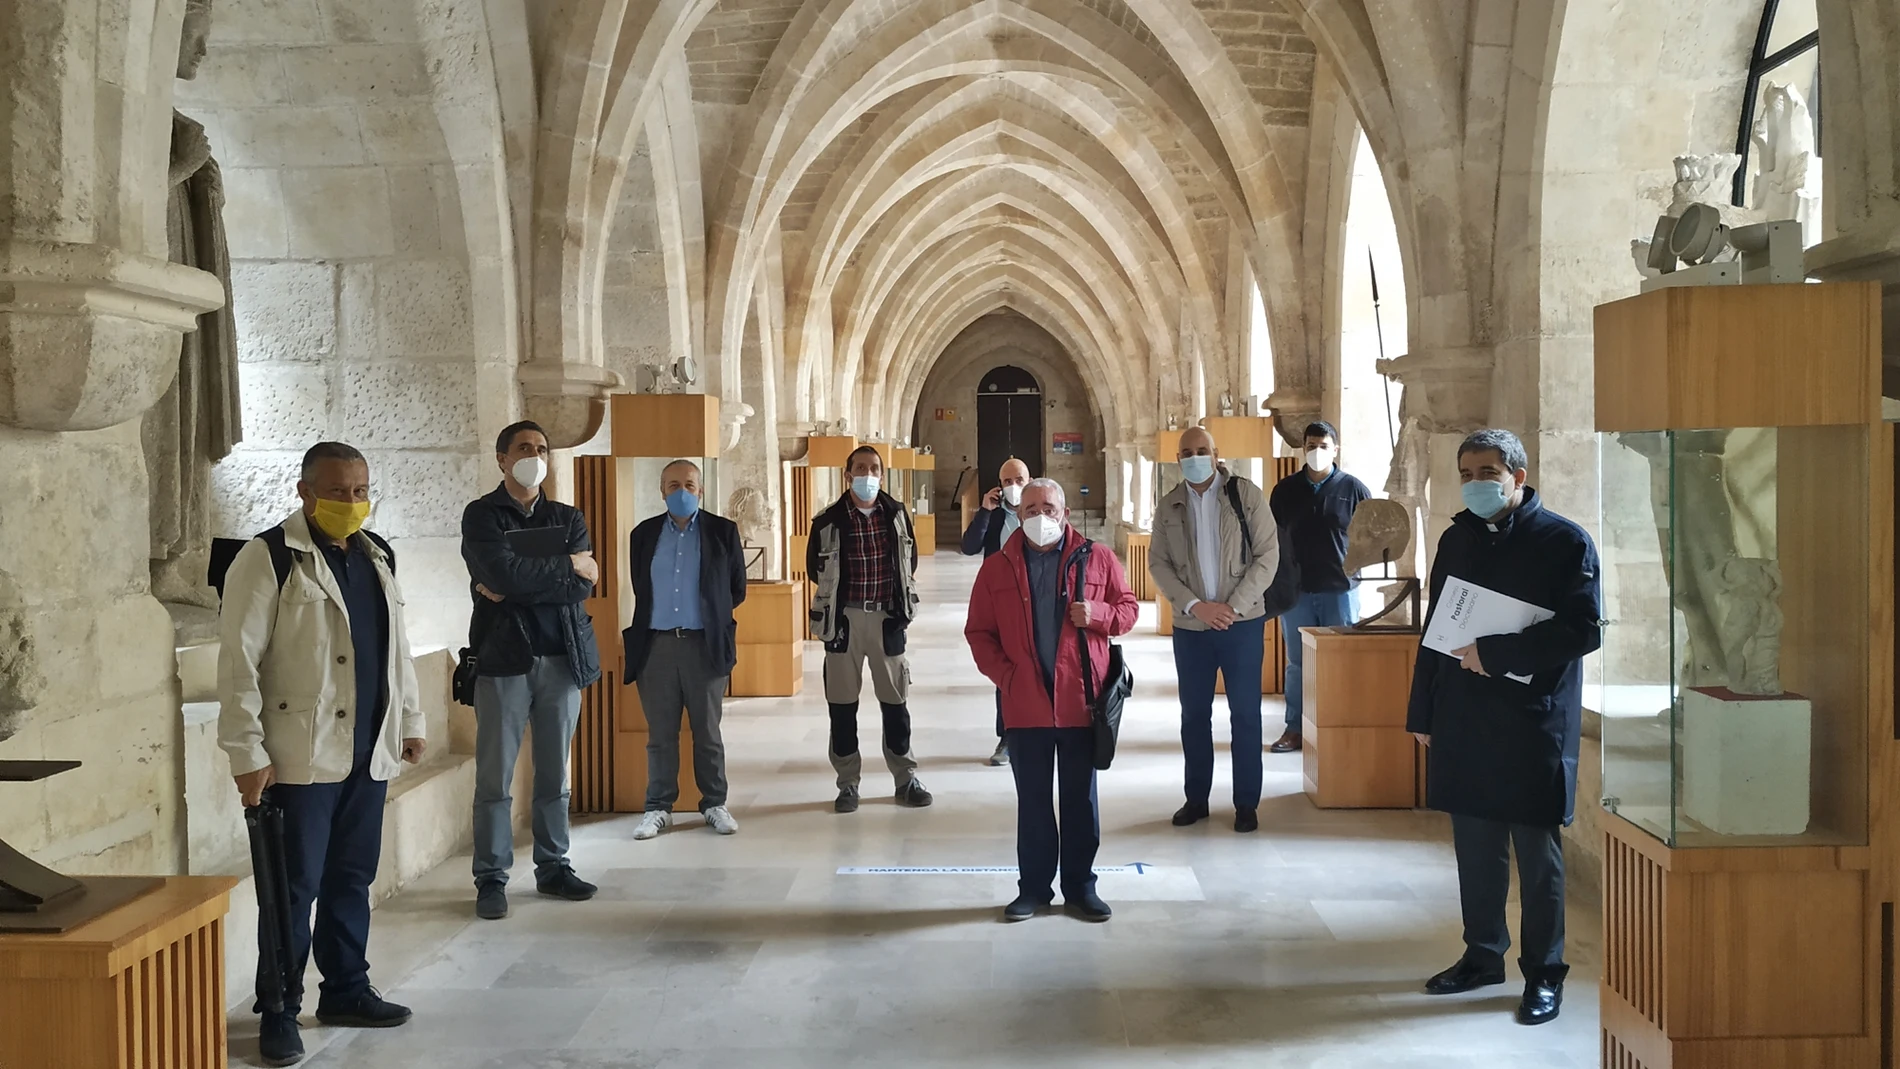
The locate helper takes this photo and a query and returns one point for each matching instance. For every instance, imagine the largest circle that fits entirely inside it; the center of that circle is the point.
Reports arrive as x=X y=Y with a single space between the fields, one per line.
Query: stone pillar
x=91 y=314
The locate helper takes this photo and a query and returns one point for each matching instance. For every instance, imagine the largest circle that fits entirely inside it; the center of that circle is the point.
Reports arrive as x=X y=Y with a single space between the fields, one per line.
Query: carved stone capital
x=89 y=334
x=732 y=417
x=569 y=401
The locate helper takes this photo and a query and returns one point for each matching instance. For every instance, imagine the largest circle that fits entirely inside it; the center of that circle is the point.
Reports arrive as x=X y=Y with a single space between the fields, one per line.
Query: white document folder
x=1466 y=612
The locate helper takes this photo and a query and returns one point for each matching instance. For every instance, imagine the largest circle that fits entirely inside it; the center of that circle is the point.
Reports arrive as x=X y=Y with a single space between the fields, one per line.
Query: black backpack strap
x=1246 y=530
x=382 y=544
x=1080 y=589
x=280 y=553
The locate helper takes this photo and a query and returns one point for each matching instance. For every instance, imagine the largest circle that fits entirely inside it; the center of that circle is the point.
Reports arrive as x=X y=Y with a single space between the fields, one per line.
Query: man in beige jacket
x=319 y=706
x=1214 y=555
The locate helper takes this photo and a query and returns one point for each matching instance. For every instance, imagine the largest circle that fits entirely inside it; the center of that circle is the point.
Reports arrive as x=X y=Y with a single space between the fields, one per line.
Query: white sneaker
x=652 y=823
x=719 y=819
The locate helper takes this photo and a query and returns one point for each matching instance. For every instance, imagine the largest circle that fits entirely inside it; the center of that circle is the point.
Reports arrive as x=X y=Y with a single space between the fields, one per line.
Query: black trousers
x=1045 y=761
x=1484 y=883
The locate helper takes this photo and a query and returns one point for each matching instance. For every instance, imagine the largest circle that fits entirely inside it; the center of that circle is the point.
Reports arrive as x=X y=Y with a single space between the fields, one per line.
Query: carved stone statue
x=1788 y=184
x=1750 y=590
x=197 y=422
x=1698 y=536
x=749 y=508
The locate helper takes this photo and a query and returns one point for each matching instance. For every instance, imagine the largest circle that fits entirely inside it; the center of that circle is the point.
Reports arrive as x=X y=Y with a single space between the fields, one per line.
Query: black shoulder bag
x=1105 y=709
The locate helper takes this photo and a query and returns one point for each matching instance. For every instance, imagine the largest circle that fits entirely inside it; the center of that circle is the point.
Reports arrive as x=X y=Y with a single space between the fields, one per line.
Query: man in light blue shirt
x=688 y=571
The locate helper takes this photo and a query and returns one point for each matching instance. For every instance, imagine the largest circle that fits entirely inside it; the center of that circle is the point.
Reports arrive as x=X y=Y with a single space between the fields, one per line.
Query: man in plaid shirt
x=862 y=556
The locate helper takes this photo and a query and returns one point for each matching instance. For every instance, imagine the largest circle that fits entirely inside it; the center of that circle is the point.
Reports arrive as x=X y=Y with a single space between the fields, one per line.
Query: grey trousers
x=678 y=675
x=890 y=681
x=547 y=699
x=1483 y=848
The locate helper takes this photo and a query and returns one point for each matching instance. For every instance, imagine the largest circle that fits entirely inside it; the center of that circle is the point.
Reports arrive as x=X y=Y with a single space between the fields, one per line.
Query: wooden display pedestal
x=1355 y=751
x=1715 y=958
x=610 y=753
x=771 y=632
x=925 y=528
x=141 y=987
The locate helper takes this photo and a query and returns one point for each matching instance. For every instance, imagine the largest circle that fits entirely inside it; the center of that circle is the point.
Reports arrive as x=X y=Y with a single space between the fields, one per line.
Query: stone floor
x=1301 y=946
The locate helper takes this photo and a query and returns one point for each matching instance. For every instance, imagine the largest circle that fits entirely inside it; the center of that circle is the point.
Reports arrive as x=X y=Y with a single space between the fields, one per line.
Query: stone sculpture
x=1697 y=534
x=1788 y=183
x=197 y=422
x=1750 y=590
x=749 y=508
x=1381 y=530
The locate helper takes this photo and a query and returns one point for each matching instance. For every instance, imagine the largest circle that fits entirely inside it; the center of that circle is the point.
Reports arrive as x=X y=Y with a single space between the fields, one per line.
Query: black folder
x=539 y=542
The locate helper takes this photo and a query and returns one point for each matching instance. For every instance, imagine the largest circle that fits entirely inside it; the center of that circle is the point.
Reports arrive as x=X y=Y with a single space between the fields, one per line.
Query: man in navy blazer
x=688 y=572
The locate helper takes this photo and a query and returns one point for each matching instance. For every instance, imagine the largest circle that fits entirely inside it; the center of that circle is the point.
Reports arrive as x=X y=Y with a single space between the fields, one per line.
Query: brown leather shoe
x=1287 y=743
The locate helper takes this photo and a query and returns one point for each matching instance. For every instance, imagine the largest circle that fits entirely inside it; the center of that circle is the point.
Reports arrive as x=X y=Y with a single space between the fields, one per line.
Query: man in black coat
x=530 y=566
x=688 y=571
x=989 y=529
x=1503 y=757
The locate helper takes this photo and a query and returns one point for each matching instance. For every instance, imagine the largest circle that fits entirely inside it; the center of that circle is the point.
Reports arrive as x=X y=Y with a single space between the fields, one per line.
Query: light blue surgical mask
x=682 y=503
x=1485 y=498
x=865 y=487
x=1197 y=469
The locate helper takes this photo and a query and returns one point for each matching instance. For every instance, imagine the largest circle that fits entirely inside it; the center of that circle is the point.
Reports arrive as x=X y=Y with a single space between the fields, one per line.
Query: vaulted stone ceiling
x=901 y=168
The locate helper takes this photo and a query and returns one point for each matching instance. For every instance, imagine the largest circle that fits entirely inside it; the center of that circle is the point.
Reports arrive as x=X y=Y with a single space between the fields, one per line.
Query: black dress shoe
x=1287 y=743
x=1467 y=975
x=1189 y=814
x=565 y=884
x=1542 y=1000
x=367 y=1010
x=847 y=800
x=1246 y=820
x=491 y=901
x=278 y=1040
x=1087 y=906
x=1024 y=908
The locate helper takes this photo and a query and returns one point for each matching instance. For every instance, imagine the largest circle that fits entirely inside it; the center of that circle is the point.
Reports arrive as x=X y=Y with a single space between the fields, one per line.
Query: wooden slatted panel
x=1633 y=929
x=1617 y=1056
x=592 y=789
x=1138 y=579
x=171 y=1005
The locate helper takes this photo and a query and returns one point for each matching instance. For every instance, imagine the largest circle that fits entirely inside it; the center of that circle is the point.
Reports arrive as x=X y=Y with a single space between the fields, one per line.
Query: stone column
x=91 y=313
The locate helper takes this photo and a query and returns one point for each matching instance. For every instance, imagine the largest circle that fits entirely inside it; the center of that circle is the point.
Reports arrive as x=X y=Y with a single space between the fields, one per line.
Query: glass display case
x=1734 y=682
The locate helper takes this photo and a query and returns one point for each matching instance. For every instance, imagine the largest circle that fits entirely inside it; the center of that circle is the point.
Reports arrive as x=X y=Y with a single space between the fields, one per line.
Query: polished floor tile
x=1302 y=946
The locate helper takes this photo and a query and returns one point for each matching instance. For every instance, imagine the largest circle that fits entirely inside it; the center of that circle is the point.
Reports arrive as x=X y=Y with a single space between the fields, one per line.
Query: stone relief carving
x=1788 y=184
x=1749 y=594
x=197 y=422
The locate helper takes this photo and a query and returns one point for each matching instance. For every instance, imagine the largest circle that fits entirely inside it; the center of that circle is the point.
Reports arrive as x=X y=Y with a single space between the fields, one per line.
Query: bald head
x=1014 y=473
x=1197 y=442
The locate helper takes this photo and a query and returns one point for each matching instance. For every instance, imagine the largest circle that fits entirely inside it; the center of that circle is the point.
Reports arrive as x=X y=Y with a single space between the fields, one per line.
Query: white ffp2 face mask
x=1013 y=495
x=530 y=472
x=1042 y=530
x=1320 y=460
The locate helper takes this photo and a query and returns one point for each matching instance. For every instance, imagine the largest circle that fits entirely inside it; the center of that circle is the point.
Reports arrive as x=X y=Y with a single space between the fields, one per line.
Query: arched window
x=1788 y=52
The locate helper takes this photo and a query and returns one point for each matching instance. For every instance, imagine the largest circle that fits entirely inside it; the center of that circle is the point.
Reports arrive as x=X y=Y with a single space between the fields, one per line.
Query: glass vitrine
x=1734 y=684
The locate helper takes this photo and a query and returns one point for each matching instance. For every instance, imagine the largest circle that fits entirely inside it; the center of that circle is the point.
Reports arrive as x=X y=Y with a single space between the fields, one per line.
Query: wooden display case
x=771 y=627
x=665 y=425
x=1355 y=752
x=1751 y=872
x=141 y=987
x=829 y=451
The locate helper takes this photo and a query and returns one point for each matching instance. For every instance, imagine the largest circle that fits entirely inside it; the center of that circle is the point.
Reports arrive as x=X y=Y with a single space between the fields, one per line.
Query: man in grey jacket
x=1214 y=554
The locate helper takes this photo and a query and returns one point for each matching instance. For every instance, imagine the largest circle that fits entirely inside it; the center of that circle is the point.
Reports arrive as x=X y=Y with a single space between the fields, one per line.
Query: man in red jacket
x=1026 y=618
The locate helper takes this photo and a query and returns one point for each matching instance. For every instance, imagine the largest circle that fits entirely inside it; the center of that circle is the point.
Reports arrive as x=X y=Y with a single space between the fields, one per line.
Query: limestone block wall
x=372 y=277
x=635 y=305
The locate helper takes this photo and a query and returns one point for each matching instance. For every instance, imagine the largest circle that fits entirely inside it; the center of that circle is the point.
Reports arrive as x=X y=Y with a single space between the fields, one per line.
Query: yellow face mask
x=341 y=519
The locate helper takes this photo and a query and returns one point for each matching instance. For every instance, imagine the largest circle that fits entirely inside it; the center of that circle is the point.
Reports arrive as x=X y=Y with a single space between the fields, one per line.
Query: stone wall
x=369 y=250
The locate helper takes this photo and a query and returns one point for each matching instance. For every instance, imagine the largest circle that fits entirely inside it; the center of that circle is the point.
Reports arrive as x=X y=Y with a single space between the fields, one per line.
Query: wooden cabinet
x=1355 y=752
x=926 y=531
x=141 y=987
x=771 y=636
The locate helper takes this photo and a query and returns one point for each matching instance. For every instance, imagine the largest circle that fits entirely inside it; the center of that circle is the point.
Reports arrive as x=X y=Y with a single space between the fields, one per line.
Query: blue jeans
x=1042 y=758
x=1237 y=654
x=504 y=706
x=333 y=838
x=1334 y=609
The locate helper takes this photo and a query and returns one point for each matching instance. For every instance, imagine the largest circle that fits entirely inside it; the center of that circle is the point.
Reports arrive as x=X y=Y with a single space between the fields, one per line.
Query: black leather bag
x=462 y=683
x=1105 y=708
